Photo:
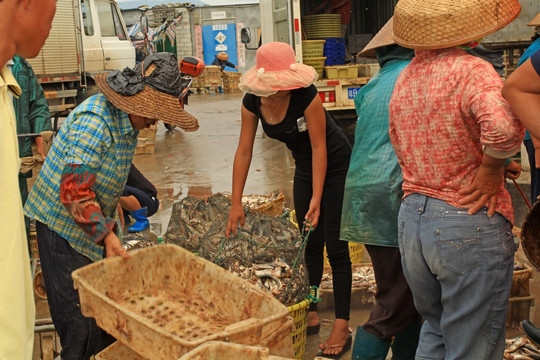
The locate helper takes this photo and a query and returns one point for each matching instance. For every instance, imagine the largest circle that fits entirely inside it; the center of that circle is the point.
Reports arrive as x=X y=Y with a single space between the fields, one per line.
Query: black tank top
x=293 y=132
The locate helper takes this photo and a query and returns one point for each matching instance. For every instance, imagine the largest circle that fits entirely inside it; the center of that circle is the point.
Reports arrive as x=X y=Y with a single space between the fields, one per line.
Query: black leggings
x=326 y=232
x=152 y=203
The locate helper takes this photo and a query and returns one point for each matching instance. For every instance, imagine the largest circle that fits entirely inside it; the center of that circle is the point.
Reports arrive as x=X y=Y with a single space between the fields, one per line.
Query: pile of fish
x=521 y=348
x=276 y=277
x=363 y=277
x=135 y=241
x=264 y=251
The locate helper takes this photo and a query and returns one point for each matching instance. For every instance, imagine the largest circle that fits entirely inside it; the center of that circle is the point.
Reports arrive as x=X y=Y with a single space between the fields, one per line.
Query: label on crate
x=351 y=92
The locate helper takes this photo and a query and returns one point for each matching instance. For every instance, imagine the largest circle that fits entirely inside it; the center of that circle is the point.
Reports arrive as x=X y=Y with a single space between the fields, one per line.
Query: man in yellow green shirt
x=32 y=20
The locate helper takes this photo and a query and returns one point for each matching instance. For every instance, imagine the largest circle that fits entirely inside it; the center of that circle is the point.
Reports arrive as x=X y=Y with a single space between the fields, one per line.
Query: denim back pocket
x=460 y=248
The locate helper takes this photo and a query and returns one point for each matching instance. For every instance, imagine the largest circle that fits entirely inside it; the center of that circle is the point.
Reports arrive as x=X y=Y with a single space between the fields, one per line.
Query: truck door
x=90 y=37
x=284 y=24
x=118 y=52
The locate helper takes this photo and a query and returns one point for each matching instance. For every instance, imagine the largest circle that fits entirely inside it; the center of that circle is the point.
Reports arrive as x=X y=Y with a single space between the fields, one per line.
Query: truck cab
x=105 y=43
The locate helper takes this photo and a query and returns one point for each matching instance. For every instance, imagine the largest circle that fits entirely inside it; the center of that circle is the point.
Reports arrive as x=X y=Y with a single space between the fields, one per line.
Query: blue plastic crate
x=334 y=51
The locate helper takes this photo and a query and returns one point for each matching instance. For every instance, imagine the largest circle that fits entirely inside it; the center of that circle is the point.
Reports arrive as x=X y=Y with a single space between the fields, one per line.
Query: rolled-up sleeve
x=501 y=133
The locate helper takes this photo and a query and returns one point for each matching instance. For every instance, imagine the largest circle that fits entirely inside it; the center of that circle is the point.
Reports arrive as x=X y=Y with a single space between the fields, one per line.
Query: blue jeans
x=80 y=336
x=459 y=268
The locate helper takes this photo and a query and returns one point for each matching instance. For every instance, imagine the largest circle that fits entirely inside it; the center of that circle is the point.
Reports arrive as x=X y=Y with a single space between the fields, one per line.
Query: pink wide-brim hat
x=276 y=69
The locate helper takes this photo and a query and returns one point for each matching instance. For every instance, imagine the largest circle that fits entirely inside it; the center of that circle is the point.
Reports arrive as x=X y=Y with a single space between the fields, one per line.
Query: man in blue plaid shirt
x=75 y=197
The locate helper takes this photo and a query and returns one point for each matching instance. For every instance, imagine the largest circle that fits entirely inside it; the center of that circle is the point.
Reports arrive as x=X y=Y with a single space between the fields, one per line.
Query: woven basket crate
x=211 y=76
x=231 y=88
x=197 y=82
x=164 y=276
x=265 y=204
x=317 y=63
x=312 y=48
x=231 y=77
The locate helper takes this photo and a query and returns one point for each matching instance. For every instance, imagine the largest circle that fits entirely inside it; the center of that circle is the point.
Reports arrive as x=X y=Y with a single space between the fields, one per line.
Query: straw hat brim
x=223 y=57
x=151 y=104
x=530 y=235
x=383 y=38
x=440 y=24
x=535 y=21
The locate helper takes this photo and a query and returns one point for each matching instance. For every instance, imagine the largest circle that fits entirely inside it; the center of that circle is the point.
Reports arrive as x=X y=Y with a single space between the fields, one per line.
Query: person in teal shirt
x=32 y=113
x=527 y=140
x=370 y=209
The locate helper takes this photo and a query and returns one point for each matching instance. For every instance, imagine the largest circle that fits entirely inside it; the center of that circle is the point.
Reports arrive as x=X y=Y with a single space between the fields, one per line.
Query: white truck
x=87 y=37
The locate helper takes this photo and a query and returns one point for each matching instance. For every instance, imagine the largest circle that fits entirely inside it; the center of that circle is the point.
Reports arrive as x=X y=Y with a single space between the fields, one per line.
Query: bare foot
x=312 y=318
x=337 y=339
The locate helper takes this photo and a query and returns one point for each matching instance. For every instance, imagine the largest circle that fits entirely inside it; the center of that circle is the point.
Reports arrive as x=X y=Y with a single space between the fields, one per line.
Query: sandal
x=344 y=348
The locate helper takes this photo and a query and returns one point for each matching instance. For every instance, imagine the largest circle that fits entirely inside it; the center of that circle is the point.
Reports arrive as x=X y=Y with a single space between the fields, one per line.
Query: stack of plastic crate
x=312 y=54
x=334 y=51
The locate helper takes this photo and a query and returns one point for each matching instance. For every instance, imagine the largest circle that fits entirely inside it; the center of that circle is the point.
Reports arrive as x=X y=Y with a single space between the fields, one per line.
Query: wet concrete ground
x=200 y=164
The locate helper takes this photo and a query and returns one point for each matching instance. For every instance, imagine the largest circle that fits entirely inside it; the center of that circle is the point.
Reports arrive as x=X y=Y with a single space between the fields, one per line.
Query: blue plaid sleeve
x=90 y=139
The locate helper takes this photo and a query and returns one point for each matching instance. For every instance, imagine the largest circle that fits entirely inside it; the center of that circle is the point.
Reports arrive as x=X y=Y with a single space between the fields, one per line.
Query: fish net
x=268 y=251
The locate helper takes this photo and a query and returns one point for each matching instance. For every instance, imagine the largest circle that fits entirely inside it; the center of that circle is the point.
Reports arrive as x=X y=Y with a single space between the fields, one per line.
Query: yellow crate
x=356 y=252
x=341 y=71
x=317 y=63
x=299 y=314
x=367 y=70
x=312 y=48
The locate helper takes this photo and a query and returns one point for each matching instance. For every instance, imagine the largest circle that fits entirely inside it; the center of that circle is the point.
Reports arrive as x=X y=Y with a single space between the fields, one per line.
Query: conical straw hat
x=535 y=21
x=382 y=38
x=439 y=24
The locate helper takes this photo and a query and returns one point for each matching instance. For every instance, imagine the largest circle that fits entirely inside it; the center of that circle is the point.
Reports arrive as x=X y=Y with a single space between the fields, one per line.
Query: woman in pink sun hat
x=280 y=93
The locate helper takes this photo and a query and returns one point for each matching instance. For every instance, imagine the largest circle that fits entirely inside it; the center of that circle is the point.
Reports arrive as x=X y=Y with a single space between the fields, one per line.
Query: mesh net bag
x=268 y=251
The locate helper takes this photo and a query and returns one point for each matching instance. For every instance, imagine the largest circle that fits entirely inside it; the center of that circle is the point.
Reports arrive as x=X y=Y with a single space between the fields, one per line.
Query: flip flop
x=313 y=330
x=344 y=348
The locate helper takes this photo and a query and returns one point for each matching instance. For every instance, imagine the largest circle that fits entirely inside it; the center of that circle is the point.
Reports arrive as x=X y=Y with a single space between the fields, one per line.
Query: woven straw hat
x=151 y=89
x=223 y=56
x=276 y=69
x=535 y=21
x=439 y=24
x=530 y=235
x=382 y=38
